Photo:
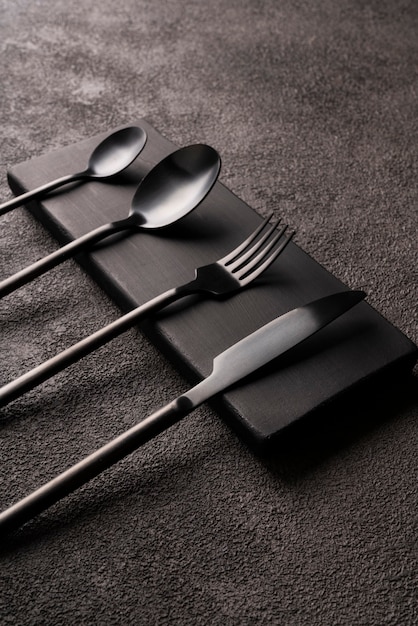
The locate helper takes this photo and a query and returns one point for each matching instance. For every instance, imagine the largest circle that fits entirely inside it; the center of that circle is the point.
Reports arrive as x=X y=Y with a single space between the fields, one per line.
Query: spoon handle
x=38 y=192
x=56 y=364
x=93 y=465
x=62 y=254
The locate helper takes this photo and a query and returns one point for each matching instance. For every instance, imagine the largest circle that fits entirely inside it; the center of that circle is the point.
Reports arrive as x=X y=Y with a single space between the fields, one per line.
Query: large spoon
x=173 y=188
x=110 y=157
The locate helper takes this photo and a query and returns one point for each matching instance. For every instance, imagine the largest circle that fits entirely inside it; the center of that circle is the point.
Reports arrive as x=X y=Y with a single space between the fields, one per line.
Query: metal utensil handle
x=62 y=254
x=93 y=465
x=71 y=355
x=38 y=192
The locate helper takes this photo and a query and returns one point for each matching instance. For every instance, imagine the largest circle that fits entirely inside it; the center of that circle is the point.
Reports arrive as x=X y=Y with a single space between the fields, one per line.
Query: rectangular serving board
x=352 y=351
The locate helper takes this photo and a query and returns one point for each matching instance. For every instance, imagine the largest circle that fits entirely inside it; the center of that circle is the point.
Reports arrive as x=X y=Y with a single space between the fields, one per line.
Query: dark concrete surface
x=313 y=110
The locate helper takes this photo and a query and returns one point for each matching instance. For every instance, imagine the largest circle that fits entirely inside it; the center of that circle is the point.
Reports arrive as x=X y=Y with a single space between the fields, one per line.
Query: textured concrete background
x=313 y=110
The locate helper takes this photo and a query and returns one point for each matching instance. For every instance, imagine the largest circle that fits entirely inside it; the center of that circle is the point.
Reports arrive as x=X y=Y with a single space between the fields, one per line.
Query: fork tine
x=247 y=242
x=256 y=253
x=254 y=269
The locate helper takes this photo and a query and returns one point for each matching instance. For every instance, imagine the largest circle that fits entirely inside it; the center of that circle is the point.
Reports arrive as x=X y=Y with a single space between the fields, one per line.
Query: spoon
x=110 y=157
x=171 y=190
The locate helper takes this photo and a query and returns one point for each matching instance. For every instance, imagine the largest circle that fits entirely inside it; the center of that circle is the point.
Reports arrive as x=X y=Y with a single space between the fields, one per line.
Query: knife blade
x=229 y=367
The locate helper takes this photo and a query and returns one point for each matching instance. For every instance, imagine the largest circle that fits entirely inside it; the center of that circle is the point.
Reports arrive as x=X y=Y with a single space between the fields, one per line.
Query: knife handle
x=93 y=465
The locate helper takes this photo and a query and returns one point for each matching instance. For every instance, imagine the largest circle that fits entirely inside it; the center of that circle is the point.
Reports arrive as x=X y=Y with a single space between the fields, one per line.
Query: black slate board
x=356 y=348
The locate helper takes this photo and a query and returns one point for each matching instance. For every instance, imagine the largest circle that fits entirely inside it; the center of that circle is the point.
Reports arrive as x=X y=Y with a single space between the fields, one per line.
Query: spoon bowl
x=113 y=155
x=175 y=186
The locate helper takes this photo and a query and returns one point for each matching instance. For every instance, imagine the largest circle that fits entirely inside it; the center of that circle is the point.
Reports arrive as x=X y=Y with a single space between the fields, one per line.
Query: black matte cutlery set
x=168 y=192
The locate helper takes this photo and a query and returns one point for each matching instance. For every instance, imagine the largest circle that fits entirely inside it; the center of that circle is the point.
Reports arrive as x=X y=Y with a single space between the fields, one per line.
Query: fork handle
x=58 y=256
x=56 y=364
x=93 y=465
x=38 y=192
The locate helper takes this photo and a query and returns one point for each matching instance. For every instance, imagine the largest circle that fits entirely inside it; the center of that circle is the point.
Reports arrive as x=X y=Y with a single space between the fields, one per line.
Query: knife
x=229 y=367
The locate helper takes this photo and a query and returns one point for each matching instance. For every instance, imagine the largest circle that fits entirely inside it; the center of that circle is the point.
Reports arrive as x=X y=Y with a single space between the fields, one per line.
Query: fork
x=226 y=276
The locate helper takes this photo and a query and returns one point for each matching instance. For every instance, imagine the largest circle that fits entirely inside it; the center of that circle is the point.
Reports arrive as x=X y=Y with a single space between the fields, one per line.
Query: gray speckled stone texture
x=313 y=109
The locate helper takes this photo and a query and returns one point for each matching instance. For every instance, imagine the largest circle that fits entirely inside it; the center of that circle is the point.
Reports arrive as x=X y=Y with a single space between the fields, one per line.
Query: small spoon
x=110 y=157
x=171 y=190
